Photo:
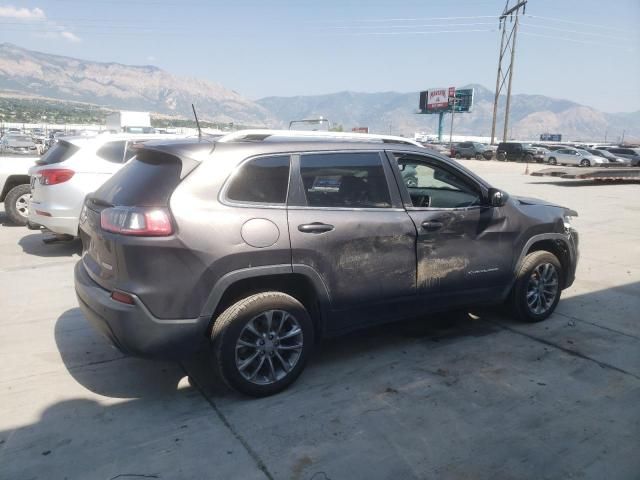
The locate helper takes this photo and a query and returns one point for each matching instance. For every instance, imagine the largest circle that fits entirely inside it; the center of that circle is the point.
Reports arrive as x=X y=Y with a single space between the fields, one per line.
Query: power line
x=427 y=32
x=562 y=20
x=593 y=34
x=575 y=40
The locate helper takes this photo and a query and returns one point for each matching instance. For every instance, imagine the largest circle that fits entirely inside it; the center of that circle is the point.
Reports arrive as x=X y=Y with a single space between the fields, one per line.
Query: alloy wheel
x=22 y=205
x=269 y=347
x=542 y=288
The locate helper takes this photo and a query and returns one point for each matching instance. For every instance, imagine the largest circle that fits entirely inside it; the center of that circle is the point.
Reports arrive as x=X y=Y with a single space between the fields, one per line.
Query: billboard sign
x=550 y=137
x=439 y=100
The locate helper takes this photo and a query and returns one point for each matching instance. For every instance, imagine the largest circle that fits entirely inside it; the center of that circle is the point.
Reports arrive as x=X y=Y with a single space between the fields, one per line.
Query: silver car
x=574 y=156
x=615 y=161
x=18 y=145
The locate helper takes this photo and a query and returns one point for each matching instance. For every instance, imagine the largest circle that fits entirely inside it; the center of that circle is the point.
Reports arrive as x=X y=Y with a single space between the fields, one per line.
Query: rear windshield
x=148 y=180
x=60 y=152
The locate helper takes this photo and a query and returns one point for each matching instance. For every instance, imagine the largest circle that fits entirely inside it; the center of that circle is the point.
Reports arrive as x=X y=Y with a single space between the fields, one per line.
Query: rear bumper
x=62 y=225
x=132 y=328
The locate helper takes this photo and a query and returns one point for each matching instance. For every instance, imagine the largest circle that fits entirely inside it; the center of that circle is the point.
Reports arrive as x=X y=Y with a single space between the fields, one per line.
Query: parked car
x=632 y=154
x=575 y=156
x=14 y=185
x=18 y=145
x=72 y=168
x=518 y=152
x=471 y=150
x=258 y=243
x=611 y=158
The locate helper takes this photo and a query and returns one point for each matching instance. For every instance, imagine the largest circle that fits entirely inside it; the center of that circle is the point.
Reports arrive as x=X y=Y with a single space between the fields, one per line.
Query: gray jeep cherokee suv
x=259 y=245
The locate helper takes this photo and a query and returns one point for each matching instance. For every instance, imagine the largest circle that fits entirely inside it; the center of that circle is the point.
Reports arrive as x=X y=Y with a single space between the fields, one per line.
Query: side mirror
x=497 y=198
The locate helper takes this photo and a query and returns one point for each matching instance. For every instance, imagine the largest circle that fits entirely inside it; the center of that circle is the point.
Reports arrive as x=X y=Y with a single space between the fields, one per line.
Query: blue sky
x=587 y=51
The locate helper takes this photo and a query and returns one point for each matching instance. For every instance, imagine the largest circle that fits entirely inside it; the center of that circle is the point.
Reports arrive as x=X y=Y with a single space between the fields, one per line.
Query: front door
x=346 y=224
x=463 y=245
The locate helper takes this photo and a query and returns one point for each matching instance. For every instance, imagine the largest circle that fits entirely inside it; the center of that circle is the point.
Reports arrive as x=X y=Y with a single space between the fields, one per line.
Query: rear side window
x=261 y=180
x=348 y=180
x=147 y=181
x=112 y=151
x=60 y=152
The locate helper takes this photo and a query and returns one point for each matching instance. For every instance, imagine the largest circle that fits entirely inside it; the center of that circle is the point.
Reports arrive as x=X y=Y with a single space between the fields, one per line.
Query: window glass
x=112 y=151
x=60 y=152
x=261 y=180
x=434 y=187
x=130 y=152
x=351 y=180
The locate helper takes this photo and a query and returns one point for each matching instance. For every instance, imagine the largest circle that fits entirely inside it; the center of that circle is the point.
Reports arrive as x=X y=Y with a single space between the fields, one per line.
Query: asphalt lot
x=459 y=397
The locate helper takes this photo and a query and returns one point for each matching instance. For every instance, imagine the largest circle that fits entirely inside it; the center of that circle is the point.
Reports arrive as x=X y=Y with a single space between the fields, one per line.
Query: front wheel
x=585 y=163
x=458 y=156
x=16 y=204
x=478 y=156
x=536 y=292
x=552 y=161
x=262 y=343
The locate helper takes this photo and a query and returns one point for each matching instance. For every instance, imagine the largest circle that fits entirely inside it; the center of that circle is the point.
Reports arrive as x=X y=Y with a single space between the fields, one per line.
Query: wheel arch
x=555 y=243
x=300 y=281
x=11 y=182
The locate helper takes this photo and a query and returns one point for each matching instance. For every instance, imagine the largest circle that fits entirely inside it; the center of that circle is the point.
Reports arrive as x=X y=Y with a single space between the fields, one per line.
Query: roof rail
x=259 y=135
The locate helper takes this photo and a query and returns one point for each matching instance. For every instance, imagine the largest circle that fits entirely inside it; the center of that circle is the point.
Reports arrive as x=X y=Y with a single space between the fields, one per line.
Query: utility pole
x=453 y=102
x=507 y=42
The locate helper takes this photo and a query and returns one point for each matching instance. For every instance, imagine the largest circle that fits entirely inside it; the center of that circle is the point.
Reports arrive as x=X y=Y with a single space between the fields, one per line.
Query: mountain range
x=26 y=72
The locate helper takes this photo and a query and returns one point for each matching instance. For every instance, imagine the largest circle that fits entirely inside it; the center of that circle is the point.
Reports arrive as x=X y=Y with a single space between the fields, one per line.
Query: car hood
x=543 y=203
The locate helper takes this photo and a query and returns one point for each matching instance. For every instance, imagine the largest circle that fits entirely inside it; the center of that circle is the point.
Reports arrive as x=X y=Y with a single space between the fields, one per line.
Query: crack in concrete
x=574 y=353
x=599 y=326
x=252 y=453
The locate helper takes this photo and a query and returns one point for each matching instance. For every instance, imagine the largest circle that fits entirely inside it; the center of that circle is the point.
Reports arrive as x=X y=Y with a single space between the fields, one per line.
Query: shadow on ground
x=586 y=183
x=96 y=365
x=33 y=245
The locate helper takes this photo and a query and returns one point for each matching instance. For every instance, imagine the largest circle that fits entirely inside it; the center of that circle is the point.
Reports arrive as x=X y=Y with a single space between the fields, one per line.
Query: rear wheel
x=528 y=158
x=552 y=161
x=16 y=204
x=262 y=343
x=585 y=163
x=458 y=156
x=501 y=156
x=536 y=292
x=478 y=156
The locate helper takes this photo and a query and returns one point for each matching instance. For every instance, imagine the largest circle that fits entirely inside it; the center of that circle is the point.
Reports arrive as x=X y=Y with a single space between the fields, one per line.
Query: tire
x=585 y=163
x=267 y=371
x=478 y=156
x=458 y=156
x=534 y=266
x=552 y=161
x=16 y=204
x=501 y=157
x=528 y=158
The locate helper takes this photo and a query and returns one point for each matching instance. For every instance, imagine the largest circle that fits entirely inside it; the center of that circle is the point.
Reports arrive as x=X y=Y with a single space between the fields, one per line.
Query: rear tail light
x=143 y=222
x=54 y=176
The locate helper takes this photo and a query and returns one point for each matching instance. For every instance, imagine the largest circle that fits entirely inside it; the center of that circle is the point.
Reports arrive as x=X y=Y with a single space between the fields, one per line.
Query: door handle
x=432 y=226
x=315 y=227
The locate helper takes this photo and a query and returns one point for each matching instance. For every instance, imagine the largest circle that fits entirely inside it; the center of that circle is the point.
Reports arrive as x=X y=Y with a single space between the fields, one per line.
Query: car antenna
x=197 y=121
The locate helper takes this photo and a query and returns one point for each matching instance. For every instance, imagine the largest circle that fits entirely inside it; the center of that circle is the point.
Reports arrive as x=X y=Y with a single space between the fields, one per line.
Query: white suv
x=72 y=168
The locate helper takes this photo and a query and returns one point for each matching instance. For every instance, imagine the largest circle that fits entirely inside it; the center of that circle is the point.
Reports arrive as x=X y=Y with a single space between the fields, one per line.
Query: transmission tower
x=508 y=21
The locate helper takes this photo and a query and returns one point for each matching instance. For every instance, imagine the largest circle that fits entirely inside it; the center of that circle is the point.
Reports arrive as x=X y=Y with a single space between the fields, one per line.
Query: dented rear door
x=346 y=224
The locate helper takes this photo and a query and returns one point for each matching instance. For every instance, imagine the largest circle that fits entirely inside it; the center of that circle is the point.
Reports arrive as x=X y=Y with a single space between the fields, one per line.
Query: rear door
x=347 y=224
